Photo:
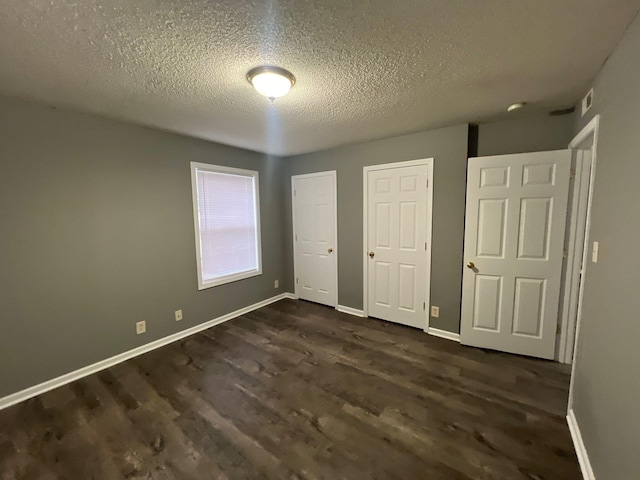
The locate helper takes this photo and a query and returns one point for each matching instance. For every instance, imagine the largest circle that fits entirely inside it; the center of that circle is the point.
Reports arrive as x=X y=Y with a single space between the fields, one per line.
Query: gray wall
x=97 y=229
x=607 y=385
x=534 y=133
x=97 y=233
x=448 y=146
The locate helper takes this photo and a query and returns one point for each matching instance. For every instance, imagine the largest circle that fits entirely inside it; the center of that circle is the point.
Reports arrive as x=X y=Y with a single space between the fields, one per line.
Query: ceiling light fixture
x=272 y=82
x=516 y=106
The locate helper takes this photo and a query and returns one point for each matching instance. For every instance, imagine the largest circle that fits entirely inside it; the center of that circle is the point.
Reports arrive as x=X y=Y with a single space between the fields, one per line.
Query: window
x=227 y=224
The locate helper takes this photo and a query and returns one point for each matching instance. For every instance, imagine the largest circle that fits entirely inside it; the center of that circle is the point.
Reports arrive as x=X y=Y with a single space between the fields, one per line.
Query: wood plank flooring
x=300 y=391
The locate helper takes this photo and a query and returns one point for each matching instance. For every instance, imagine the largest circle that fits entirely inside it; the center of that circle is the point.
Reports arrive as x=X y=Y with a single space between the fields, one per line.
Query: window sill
x=228 y=279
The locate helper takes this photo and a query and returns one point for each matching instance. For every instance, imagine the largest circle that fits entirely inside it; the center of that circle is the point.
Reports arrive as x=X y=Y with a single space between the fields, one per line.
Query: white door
x=314 y=235
x=396 y=242
x=514 y=236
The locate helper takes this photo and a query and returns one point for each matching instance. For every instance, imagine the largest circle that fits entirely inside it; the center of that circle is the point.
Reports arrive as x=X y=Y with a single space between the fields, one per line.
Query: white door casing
x=514 y=236
x=574 y=246
x=586 y=138
x=315 y=237
x=397 y=238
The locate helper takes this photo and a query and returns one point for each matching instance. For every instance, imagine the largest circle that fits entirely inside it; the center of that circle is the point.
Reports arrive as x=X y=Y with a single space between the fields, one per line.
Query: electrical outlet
x=178 y=315
x=435 y=312
x=141 y=327
x=276 y=283
x=594 y=253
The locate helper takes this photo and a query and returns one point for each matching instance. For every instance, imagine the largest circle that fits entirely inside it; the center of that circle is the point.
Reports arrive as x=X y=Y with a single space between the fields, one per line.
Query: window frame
x=234 y=277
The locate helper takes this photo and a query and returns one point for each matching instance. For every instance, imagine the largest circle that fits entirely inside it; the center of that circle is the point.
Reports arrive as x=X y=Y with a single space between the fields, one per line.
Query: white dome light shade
x=272 y=82
x=516 y=106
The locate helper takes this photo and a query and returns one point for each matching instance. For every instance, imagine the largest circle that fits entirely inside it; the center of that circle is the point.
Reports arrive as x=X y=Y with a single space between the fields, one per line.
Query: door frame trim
x=365 y=272
x=593 y=127
x=334 y=175
x=570 y=290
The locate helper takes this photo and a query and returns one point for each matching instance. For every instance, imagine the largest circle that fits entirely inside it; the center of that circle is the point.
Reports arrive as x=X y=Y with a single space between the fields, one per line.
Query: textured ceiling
x=365 y=69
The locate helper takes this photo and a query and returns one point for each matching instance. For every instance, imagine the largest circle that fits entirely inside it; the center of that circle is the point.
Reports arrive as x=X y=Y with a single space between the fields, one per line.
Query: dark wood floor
x=299 y=391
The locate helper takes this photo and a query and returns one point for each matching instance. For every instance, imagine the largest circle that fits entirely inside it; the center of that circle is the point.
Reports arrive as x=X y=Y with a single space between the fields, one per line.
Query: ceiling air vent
x=587 y=102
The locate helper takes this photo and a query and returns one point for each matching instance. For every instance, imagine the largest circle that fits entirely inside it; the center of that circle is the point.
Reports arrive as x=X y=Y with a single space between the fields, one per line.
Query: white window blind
x=227 y=224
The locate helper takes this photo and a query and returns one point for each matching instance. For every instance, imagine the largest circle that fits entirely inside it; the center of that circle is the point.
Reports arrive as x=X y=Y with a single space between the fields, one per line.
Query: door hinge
x=558 y=329
x=566 y=253
x=572 y=173
x=425 y=246
x=424 y=305
x=296 y=237
x=296 y=280
x=427 y=183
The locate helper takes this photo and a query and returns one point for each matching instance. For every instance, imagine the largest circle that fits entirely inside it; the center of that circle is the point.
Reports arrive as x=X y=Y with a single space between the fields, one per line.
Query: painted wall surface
x=97 y=234
x=448 y=146
x=607 y=385
x=535 y=133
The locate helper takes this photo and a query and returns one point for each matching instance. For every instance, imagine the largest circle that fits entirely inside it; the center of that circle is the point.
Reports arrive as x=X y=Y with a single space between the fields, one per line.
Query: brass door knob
x=371 y=254
x=330 y=250
x=471 y=265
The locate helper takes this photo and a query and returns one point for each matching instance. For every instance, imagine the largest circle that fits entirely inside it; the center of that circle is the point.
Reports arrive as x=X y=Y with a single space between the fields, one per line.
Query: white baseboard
x=436 y=332
x=291 y=296
x=578 y=444
x=43 y=387
x=351 y=311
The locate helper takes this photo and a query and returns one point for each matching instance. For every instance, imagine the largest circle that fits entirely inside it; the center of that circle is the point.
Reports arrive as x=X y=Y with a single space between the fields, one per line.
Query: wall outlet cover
x=435 y=312
x=141 y=327
x=276 y=283
x=178 y=315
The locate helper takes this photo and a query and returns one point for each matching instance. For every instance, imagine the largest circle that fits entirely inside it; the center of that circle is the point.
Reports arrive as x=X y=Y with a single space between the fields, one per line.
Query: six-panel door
x=396 y=238
x=514 y=236
x=314 y=205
